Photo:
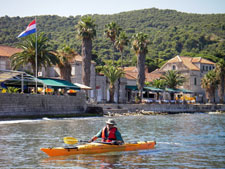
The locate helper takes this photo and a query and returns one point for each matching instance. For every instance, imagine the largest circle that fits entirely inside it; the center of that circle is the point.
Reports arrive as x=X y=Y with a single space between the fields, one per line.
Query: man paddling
x=109 y=133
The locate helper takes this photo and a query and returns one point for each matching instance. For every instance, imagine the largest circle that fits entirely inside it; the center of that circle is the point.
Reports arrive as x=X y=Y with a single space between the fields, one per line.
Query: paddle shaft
x=110 y=143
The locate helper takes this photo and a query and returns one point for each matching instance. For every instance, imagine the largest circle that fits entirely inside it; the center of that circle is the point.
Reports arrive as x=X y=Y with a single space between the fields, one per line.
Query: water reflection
x=103 y=161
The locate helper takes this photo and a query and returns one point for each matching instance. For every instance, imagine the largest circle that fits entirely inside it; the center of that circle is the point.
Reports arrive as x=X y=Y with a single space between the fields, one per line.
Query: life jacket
x=111 y=134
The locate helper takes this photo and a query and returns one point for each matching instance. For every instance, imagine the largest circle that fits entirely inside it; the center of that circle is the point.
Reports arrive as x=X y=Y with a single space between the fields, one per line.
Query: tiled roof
x=153 y=75
x=189 y=61
x=202 y=60
x=8 y=51
x=78 y=58
x=130 y=69
x=132 y=73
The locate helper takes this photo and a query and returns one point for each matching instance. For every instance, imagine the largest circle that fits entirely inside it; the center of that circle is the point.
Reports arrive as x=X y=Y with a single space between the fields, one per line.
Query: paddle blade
x=70 y=140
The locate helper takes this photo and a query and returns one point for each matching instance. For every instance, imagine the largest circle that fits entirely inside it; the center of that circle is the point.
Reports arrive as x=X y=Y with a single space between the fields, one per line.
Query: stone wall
x=35 y=105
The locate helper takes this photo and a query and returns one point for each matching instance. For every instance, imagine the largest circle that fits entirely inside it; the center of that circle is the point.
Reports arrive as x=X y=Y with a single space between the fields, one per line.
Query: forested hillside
x=170 y=33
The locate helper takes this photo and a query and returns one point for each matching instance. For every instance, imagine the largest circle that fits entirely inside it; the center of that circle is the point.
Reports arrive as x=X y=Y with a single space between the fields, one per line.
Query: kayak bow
x=94 y=148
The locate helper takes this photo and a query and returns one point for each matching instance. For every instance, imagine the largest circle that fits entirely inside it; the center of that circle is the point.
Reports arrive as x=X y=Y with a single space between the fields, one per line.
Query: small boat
x=94 y=148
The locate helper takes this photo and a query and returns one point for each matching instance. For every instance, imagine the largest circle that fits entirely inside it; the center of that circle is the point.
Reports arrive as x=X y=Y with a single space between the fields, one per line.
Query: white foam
x=17 y=121
x=170 y=143
x=46 y=118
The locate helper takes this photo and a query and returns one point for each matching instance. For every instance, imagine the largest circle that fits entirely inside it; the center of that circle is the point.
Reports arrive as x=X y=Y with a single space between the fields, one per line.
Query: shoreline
x=149 y=113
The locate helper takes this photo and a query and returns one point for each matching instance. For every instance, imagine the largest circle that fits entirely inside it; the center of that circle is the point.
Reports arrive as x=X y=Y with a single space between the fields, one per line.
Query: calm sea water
x=183 y=141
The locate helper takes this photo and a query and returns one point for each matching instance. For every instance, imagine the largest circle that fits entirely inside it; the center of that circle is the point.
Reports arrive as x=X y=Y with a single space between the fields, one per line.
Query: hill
x=170 y=33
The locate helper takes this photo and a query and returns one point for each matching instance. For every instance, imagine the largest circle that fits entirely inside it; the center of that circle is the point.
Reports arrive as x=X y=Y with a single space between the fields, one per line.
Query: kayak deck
x=94 y=148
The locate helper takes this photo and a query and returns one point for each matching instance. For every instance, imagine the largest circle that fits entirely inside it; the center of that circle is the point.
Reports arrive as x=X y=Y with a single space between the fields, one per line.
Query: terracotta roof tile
x=78 y=58
x=202 y=60
x=153 y=75
x=8 y=51
x=130 y=72
x=129 y=76
x=189 y=61
x=196 y=59
x=130 y=69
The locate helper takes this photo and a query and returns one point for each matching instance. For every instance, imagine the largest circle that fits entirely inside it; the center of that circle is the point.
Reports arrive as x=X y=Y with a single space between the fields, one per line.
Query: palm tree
x=112 y=31
x=65 y=56
x=139 y=44
x=209 y=82
x=173 y=79
x=86 y=32
x=113 y=74
x=220 y=74
x=158 y=83
x=120 y=42
x=45 y=56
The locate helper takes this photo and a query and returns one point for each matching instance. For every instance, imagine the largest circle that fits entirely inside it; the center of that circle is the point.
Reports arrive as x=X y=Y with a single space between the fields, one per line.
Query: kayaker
x=109 y=133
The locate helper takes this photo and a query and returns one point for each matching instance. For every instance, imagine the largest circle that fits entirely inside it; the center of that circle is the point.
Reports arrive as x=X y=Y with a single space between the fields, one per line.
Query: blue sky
x=24 y=8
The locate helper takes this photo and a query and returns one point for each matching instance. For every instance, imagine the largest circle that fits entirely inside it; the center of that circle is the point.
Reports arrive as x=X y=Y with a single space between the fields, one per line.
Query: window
x=2 y=64
x=206 y=68
x=203 y=67
x=73 y=71
x=195 y=81
x=174 y=67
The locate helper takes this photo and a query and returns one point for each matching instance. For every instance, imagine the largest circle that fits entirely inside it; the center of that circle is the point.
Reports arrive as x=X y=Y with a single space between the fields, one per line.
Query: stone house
x=192 y=68
x=5 y=53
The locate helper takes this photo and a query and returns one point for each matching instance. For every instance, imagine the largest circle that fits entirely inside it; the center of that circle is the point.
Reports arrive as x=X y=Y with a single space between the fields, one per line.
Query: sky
x=67 y=8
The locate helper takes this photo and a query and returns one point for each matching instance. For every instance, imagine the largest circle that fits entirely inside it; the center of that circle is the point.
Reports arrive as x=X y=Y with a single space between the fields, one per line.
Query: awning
x=84 y=87
x=5 y=75
x=58 y=83
x=172 y=90
x=15 y=78
x=154 y=89
x=185 y=91
x=131 y=87
x=178 y=90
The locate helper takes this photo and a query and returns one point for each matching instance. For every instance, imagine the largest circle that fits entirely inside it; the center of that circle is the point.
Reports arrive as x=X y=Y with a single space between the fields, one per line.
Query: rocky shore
x=135 y=113
x=143 y=113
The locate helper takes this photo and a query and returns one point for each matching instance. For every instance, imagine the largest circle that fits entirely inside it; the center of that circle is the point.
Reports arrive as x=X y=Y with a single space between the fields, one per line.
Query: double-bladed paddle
x=72 y=140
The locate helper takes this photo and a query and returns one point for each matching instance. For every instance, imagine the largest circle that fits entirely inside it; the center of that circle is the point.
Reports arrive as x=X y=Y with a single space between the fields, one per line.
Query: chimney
x=146 y=70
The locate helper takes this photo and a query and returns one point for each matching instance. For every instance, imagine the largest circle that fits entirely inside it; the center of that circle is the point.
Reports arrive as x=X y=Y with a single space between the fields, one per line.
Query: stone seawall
x=35 y=105
x=162 y=108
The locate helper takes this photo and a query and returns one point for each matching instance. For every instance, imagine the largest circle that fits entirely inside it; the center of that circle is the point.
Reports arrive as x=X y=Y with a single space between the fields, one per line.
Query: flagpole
x=36 y=55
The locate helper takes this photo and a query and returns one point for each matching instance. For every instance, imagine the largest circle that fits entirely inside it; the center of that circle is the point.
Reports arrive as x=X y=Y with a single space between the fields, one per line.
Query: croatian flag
x=31 y=28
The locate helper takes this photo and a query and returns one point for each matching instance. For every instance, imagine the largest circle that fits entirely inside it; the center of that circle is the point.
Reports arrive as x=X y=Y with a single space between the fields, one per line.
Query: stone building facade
x=5 y=53
x=193 y=69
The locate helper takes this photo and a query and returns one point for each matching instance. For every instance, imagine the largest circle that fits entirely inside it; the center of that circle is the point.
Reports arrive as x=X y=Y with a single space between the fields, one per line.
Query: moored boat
x=94 y=148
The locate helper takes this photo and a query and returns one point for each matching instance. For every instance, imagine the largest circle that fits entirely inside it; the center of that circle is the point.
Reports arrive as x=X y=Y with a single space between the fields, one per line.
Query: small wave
x=46 y=118
x=216 y=112
x=170 y=143
x=17 y=121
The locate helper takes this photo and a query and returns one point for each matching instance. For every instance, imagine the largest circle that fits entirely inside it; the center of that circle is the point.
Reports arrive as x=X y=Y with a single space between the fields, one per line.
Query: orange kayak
x=94 y=148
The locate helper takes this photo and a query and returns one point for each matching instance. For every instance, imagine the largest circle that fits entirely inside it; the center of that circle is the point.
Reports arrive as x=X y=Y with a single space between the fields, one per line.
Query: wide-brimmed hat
x=110 y=121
